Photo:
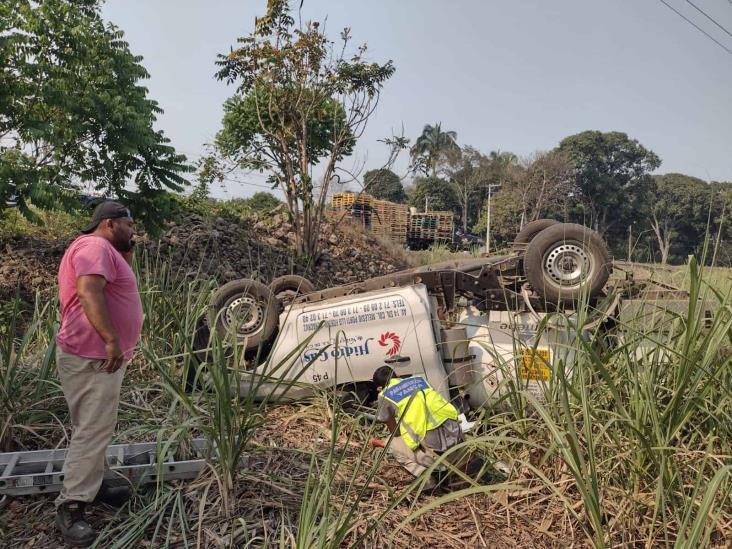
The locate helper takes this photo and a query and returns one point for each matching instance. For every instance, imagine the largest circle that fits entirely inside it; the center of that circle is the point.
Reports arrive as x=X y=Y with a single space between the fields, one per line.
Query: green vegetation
x=384 y=185
x=53 y=224
x=612 y=175
x=599 y=179
x=66 y=225
x=434 y=193
x=631 y=445
x=429 y=147
x=73 y=113
x=300 y=101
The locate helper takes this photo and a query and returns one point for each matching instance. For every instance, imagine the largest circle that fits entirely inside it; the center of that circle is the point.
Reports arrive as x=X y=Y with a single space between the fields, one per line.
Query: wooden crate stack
x=383 y=218
x=390 y=220
x=360 y=206
x=430 y=226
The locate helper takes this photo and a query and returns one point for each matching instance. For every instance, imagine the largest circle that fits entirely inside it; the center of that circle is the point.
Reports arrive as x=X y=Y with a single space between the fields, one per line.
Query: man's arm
x=386 y=413
x=90 y=289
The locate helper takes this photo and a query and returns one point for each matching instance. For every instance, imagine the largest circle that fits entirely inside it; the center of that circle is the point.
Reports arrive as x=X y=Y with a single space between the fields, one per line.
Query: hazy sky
x=514 y=75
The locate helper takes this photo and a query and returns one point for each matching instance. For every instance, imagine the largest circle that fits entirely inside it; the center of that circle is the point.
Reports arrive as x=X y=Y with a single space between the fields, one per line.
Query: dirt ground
x=269 y=494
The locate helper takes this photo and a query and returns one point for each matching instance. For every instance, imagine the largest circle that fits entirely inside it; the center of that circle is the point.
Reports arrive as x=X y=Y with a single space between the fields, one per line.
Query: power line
x=697 y=27
x=247 y=183
x=697 y=8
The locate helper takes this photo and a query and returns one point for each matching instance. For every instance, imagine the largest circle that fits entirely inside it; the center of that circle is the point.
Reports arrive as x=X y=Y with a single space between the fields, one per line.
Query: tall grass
x=441 y=252
x=632 y=438
x=642 y=426
x=30 y=403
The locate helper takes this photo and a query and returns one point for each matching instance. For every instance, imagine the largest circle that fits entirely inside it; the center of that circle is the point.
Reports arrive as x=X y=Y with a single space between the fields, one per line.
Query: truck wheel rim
x=244 y=313
x=567 y=264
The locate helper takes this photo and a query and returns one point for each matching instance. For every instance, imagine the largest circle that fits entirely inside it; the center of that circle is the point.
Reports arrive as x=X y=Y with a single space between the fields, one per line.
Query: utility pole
x=426 y=202
x=488 y=219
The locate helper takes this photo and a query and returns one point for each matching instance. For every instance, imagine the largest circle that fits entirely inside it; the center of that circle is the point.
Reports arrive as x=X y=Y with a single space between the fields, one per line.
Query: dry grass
x=271 y=486
x=650 y=435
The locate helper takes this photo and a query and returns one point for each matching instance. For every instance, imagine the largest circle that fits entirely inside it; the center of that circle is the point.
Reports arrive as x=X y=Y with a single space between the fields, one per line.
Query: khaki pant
x=93 y=398
x=415 y=461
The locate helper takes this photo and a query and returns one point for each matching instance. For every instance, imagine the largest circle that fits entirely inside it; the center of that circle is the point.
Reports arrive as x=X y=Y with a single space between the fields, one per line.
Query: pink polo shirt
x=94 y=255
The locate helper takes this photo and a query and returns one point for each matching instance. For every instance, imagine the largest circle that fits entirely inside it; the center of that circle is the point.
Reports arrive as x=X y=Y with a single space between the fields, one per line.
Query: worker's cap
x=109 y=209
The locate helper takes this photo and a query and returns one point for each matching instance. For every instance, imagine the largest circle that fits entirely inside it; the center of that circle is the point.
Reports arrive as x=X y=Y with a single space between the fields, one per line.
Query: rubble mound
x=221 y=248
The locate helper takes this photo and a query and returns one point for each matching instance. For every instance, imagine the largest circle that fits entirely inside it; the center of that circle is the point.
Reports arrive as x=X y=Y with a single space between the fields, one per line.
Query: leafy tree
x=249 y=136
x=467 y=170
x=680 y=208
x=300 y=101
x=720 y=220
x=73 y=113
x=541 y=186
x=501 y=166
x=436 y=192
x=385 y=185
x=263 y=202
x=430 y=146
x=612 y=175
x=505 y=217
x=546 y=186
x=503 y=159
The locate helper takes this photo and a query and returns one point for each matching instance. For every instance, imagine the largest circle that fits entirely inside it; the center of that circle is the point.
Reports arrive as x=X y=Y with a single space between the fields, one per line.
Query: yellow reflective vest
x=420 y=408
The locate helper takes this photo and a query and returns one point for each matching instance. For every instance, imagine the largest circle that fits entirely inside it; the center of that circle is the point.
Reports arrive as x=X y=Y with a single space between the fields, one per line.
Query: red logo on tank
x=391 y=340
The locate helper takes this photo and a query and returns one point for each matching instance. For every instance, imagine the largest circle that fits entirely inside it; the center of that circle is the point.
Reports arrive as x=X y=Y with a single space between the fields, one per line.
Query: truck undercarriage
x=486 y=309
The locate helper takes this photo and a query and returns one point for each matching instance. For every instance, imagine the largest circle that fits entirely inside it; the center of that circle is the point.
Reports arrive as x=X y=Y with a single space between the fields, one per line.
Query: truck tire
x=286 y=288
x=247 y=307
x=530 y=230
x=565 y=260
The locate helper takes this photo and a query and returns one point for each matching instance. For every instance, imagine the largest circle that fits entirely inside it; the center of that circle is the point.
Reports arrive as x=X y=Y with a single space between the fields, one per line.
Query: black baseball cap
x=109 y=209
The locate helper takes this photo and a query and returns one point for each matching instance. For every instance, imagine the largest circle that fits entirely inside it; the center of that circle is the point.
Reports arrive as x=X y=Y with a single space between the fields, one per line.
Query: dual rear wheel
x=250 y=309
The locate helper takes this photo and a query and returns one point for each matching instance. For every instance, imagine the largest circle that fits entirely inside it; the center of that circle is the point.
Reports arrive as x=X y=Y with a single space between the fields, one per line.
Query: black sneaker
x=74 y=528
x=116 y=496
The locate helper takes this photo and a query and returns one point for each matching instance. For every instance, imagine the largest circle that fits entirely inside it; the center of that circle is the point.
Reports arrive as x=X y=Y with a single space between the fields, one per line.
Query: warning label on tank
x=355 y=313
x=534 y=365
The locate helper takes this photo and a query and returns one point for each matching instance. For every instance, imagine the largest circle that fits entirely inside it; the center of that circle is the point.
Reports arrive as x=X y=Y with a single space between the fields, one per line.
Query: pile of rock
x=348 y=254
x=224 y=249
x=29 y=265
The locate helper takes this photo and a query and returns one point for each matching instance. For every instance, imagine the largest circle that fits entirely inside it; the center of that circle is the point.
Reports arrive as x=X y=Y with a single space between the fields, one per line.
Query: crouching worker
x=424 y=424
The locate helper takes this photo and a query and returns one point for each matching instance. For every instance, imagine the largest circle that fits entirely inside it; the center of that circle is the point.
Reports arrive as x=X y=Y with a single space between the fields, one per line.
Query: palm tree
x=430 y=145
x=503 y=159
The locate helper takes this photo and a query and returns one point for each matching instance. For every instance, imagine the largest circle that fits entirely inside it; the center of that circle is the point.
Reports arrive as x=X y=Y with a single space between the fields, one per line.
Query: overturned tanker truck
x=468 y=326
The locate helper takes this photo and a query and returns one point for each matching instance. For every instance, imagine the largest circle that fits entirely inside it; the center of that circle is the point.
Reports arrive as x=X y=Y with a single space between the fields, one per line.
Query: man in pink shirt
x=101 y=319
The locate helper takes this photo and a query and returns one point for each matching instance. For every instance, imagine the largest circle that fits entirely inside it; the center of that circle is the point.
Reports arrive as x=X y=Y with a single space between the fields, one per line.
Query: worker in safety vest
x=424 y=424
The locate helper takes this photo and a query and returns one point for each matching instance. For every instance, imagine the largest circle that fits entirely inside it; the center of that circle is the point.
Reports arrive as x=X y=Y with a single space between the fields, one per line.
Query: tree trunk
x=540 y=199
x=664 y=252
x=663 y=237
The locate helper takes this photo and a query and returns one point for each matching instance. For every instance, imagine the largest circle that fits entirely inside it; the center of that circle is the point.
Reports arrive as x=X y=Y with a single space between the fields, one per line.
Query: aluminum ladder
x=41 y=471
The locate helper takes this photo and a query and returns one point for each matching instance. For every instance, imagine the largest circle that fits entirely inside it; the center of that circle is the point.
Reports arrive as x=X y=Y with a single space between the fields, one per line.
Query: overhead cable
x=697 y=27
x=697 y=8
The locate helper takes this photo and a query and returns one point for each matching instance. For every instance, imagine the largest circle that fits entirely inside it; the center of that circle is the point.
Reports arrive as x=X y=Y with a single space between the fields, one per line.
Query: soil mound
x=220 y=248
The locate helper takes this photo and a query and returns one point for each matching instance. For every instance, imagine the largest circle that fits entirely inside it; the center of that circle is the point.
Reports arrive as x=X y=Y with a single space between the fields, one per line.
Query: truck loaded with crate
x=416 y=230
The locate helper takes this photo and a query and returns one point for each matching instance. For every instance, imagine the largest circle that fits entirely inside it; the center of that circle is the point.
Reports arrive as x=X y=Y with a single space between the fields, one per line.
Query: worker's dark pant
x=93 y=398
